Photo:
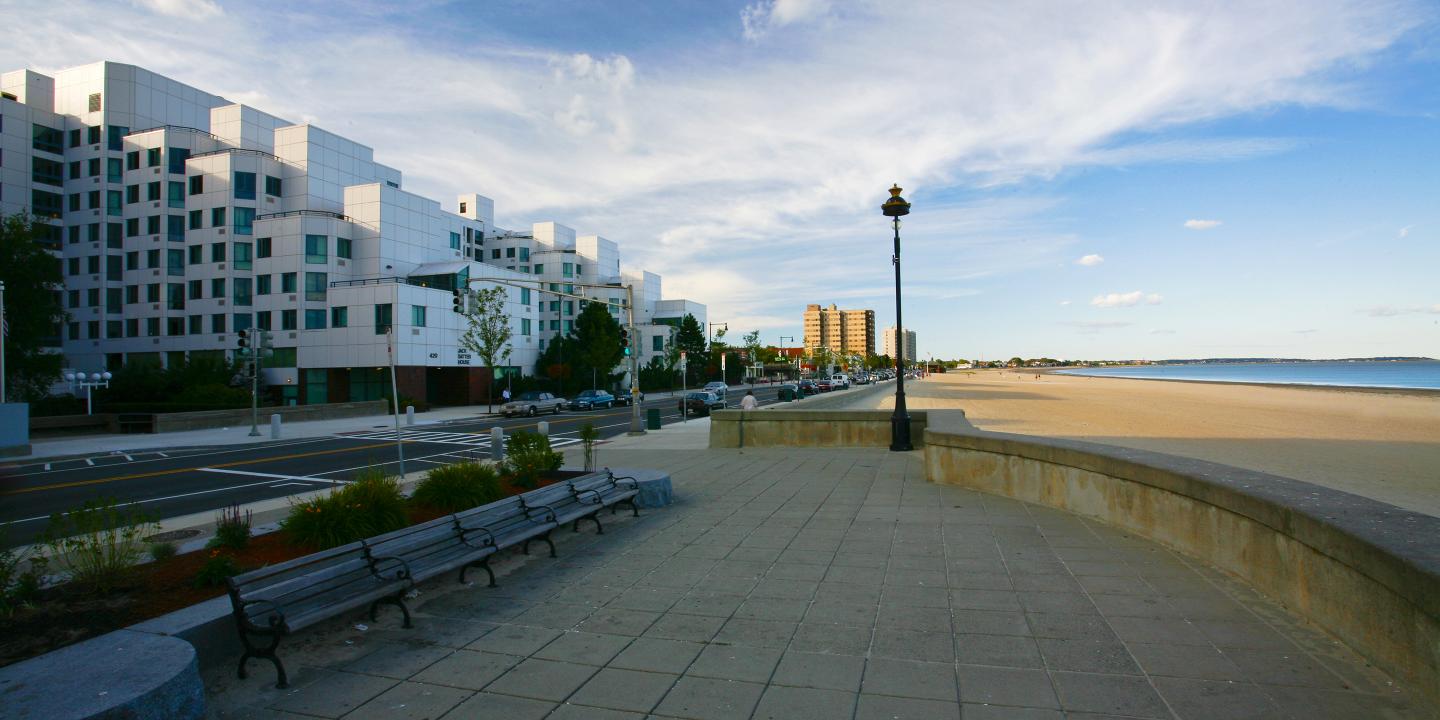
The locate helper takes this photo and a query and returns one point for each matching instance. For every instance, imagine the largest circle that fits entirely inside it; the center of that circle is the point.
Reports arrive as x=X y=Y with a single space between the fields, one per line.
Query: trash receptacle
x=800 y=393
x=652 y=419
x=786 y=395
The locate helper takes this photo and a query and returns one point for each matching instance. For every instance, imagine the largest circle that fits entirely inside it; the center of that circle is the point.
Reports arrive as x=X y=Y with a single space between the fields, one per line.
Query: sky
x=1097 y=180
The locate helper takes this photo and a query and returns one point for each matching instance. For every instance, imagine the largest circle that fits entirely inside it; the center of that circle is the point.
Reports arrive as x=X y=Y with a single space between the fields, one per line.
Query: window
x=510 y=252
x=92 y=199
x=132 y=160
x=244 y=185
x=242 y=256
x=315 y=286
x=315 y=249
x=152 y=326
x=175 y=297
x=242 y=288
x=152 y=191
x=112 y=268
x=132 y=260
x=152 y=157
x=175 y=326
x=197 y=219
x=217 y=217
x=194 y=321
x=567 y=269
x=92 y=135
x=74 y=331
x=117 y=137
x=272 y=185
x=524 y=326
x=175 y=262
x=287 y=282
x=92 y=297
x=152 y=293
x=339 y=317
x=342 y=248
x=114 y=235
x=132 y=227
x=217 y=252
x=243 y=322
x=132 y=327
x=569 y=326
x=217 y=323
x=262 y=248
x=92 y=264
x=314 y=319
x=287 y=319
x=112 y=300
x=75 y=138
x=495 y=254
x=555 y=306
x=454 y=241
x=114 y=170
x=132 y=194
x=178 y=156
x=197 y=184
x=47 y=139
x=569 y=307
x=244 y=220
x=217 y=288
x=93 y=329
x=525 y=296
x=92 y=233
x=175 y=194
x=524 y=254
x=262 y=320
x=540 y=269
x=383 y=318
x=417 y=315
x=152 y=259
x=132 y=294
x=74 y=169
x=152 y=225
x=74 y=231
x=197 y=254
x=175 y=228
x=92 y=167
x=262 y=284
x=197 y=289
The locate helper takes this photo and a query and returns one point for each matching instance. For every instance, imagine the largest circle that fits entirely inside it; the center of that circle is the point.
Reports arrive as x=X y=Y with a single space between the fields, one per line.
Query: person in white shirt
x=505 y=395
x=748 y=402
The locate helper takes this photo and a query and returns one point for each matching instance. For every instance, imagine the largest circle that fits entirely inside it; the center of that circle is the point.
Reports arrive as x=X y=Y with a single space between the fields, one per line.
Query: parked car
x=809 y=387
x=701 y=403
x=862 y=379
x=824 y=385
x=622 y=397
x=717 y=388
x=588 y=399
x=532 y=403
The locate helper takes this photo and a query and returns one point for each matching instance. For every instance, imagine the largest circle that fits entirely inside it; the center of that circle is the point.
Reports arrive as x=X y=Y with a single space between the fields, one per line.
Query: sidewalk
x=824 y=583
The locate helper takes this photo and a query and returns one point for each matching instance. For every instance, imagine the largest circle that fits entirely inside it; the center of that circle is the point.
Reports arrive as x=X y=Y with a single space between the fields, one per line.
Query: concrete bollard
x=275 y=426
x=497 y=444
x=544 y=428
x=409 y=414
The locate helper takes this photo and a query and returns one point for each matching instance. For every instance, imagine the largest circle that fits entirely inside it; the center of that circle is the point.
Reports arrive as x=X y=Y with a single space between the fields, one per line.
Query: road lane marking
x=88 y=461
x=268 y=475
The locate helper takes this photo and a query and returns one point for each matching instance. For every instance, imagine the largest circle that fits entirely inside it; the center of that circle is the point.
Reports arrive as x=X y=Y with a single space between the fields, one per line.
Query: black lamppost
x=900 y=421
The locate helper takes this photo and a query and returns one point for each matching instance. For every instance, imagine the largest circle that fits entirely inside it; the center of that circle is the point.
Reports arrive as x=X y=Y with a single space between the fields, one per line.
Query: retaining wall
x=1367 y=572
x=775 y=427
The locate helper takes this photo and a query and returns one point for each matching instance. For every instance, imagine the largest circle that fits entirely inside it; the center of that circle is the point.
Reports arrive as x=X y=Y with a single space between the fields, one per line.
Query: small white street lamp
x=93 y=380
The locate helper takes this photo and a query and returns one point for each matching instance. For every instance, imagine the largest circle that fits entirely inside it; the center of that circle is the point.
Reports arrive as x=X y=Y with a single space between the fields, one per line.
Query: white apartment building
x=181 y=218
x=890 y=346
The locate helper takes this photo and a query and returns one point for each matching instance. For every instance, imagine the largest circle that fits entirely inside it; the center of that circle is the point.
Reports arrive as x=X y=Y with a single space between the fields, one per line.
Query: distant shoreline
x=1421 y=392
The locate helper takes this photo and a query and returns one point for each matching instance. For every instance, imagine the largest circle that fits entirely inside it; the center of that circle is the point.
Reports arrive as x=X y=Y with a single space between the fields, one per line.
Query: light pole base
x=254 y=432
x=634 y=433
x=900 y=433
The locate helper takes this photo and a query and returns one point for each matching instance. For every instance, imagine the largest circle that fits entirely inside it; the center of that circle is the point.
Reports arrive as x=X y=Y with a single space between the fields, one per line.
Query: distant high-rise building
x=889 y=343
x=842 y=331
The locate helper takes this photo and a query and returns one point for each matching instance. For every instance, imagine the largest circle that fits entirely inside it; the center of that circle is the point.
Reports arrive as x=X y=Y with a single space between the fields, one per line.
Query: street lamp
x=894 y=208
x=93 y=380
x=791 y=338
x=711 y=341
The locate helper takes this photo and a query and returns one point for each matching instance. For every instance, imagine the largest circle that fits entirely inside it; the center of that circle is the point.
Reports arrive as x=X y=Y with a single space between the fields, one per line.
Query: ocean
x=1415 y=374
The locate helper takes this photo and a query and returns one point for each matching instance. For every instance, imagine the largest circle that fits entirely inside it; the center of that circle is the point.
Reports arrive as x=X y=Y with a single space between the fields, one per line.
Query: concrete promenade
x=830 y=583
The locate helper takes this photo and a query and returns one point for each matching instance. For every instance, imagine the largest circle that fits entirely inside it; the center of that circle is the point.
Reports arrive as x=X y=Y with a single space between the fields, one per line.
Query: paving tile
x=559 y=616
x=785 y=588
x=1172 y=631
x=1111 y=694
x=980 y=581
x=710 y=699
x=1244 y=634
x=657 y=655
x=902 y=678
x=449 y=632
x=411 y=701
x=334 y=694
x=542 y=679
x=584 y=648
x=762 y=633
x=515 y=640
x=630 y=690
x=884 y=707
x=1003 y=650
x=1194 y=698
x=1065 y=625
x=646 y=598
x=936 y=620
x=619 y=621
x=918 y=645
x=816 y=670
x=797 y=703
x=678 y=626
x=708 y=603
x=1275 y=667
x=1313 y=704
x=773 y=609
x=842 y=611
x=797 y=571
x=487 y=706
x=987 y=622
x=997 y=712
x=921 y=597
x=972 y=599
x=586 y=712
x=1006 y=686
x=399 y=660
x=1056 y=602
x=468 y=669
x=1186 y=661
x=1081 y=655
x=736 y=662
x=831 y=639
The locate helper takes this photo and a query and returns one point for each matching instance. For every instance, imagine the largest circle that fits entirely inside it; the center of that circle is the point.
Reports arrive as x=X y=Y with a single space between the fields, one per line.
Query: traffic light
x=266 y=339
x=625 y=339
x=244 y=340
x=459 y=301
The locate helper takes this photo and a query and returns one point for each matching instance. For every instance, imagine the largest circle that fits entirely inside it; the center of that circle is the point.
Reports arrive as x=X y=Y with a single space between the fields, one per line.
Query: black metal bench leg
x=633 y=506
x=268 y=652
x=483 y=564
x=546 y=538
x=599 y=529
x=398 y=600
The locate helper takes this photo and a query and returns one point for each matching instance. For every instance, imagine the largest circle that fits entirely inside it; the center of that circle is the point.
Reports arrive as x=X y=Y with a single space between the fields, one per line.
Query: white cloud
x=1393 y=310
x=1158 y=331
x=1064 y=303
x=1129 y=299
x=759 y=18
x=1202 y=224
x=1090 y=260
x=1093 y=327
x=1404 y=232
x=192 y=9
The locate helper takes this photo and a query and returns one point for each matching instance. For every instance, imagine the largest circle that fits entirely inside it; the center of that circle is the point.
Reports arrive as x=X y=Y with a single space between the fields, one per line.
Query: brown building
x=843 y=331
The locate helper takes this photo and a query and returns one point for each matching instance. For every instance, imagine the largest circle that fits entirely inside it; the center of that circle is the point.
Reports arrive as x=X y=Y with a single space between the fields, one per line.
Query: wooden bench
x=501 y=524
x=609 y=490
x=563 y=504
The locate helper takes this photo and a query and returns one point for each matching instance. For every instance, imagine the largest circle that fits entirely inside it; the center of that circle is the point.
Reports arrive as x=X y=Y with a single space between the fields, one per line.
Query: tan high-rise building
x=843 y=331
x=890 y=348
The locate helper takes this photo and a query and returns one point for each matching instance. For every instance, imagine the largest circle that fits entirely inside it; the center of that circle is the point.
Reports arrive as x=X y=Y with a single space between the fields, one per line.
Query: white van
x=841 y=380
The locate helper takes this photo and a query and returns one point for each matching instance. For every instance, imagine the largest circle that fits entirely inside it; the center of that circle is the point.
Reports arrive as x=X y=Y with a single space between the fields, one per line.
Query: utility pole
x=4 y=330
x=395 y=395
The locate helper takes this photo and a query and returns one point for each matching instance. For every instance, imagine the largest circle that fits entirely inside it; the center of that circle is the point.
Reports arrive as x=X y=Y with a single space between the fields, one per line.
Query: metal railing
x=181 y=128
x=241 y=151
x=298 y=213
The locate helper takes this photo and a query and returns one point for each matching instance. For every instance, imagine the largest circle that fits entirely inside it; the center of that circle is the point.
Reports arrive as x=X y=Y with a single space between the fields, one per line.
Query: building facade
x=181 y=218
x=844 y=332
x=890 y=346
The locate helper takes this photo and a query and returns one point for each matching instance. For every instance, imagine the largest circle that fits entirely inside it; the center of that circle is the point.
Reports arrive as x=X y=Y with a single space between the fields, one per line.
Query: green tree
x=691 y=340
x=488 y=334
x=597 y=344
x=554 y=363
x=32 y=307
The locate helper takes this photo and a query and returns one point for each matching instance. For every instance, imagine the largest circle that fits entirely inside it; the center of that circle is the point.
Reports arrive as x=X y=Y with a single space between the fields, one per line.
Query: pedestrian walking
x=748 y=402
x=505 y=395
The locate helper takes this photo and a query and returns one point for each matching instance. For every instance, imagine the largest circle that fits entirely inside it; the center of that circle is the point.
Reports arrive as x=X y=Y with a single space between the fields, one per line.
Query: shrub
x=370 y=505
x=162 y=551
x=98 y=543
x=457 y=487
x=588 y=436
x=232 y=530
x=527 y=455
x=18 y=588
x=218 y=568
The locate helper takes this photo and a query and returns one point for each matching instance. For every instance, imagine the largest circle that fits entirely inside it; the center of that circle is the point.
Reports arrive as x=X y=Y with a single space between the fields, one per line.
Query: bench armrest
x=581 y=496
x=617 y=479
x=544 y=510
x=276 y=619
x=488 y=539
x=402 y=568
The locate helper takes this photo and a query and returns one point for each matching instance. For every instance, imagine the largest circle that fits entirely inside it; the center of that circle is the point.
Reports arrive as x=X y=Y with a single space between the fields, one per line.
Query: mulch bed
x=64 y=615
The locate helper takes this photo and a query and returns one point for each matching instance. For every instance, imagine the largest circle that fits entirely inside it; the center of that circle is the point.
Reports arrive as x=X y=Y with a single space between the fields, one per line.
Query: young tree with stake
x=489 y=333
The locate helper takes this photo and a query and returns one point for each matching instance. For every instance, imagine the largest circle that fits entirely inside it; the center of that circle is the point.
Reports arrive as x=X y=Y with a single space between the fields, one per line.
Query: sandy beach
x=1384 y=445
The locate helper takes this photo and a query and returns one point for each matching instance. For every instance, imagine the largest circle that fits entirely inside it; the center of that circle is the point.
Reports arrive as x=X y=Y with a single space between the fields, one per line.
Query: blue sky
x=1090 y=180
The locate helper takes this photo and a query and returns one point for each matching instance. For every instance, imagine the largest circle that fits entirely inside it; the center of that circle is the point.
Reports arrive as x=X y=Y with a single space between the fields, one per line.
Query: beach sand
x=1383 y=445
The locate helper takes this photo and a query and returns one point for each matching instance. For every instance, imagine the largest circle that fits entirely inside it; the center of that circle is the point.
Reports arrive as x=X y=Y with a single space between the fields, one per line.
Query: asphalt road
x=179 y=481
